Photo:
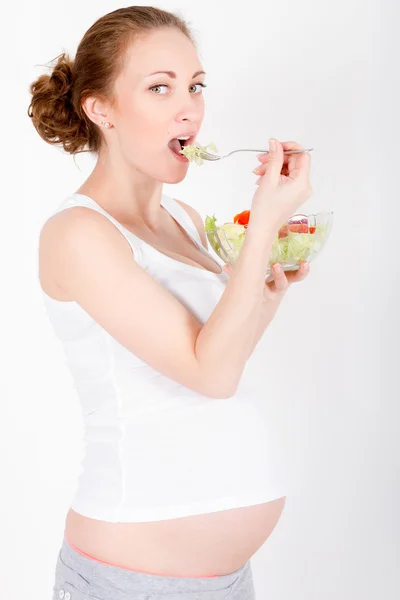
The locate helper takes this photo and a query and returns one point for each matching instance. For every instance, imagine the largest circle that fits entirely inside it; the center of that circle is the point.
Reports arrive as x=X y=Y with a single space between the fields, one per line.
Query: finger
x=300 y=274
x=275 y=162
x=293 y=161
x=286 y=146
x=228 y=269
x=290 y=162
x=262 y=168
x=280 y=282
x=297 y=167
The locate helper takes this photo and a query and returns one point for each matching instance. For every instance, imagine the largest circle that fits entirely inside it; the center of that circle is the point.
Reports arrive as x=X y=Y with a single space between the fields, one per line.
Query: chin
x=171 y=178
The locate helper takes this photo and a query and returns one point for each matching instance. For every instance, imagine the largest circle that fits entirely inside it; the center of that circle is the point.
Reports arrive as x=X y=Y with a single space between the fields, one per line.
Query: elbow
x=229 y=394
x=220 y=393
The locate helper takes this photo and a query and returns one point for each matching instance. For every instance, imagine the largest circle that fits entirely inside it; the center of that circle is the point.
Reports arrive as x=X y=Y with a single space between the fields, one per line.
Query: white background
x=323 y=74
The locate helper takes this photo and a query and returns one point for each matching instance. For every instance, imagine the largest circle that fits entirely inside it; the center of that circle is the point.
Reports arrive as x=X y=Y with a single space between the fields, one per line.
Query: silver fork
x=209 y=156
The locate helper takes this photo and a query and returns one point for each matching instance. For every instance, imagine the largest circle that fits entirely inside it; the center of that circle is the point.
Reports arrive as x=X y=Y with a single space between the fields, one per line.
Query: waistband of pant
x=122 y=581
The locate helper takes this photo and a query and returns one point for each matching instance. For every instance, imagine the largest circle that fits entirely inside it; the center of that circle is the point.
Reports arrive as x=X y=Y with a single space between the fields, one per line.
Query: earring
x=107 y=125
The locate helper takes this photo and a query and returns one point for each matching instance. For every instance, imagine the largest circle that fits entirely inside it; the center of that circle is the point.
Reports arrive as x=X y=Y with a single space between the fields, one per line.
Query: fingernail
x=257 y=170
x=306 y=266
x=272 y=145
x=262 y=155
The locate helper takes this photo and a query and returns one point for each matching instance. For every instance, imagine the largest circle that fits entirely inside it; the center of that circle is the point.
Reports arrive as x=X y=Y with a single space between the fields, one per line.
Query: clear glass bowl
x=300 y=239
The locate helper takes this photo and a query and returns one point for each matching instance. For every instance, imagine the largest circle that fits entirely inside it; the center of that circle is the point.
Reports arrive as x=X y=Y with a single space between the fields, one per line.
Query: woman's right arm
x=92 y=262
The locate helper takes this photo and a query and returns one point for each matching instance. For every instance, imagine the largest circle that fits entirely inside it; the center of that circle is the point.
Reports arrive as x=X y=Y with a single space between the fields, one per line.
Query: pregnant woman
x=180 y=482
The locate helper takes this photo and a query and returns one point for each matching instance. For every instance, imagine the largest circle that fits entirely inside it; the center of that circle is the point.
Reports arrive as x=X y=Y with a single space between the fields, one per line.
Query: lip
x=188 y=142
x=180 y=157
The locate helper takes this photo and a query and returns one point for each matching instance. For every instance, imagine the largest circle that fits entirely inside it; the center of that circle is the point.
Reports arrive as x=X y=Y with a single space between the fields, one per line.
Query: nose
x=192 y=112
x=188 y=116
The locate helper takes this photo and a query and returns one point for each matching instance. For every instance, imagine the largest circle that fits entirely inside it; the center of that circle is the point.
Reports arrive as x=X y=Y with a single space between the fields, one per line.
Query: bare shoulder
x=77 y=225
x=65 y=219
x=75 y=221
x=197 y=220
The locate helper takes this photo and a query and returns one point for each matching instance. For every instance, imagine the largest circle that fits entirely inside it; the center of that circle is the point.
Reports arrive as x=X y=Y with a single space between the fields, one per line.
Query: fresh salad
x=292 y=244
x=192 y=152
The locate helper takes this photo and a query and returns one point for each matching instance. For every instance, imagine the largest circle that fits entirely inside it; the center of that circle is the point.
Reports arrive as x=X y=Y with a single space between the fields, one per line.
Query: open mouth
x=177 y=144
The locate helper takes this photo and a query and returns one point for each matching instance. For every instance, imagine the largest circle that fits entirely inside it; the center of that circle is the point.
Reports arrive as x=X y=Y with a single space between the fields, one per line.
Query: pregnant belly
x=197 y=546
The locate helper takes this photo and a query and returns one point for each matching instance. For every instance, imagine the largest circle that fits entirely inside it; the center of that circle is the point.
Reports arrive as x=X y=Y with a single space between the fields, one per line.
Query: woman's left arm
x=274 y=291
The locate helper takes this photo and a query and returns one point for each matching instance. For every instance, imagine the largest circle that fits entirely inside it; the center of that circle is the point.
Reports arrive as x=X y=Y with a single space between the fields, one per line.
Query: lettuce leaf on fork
x=192 y=152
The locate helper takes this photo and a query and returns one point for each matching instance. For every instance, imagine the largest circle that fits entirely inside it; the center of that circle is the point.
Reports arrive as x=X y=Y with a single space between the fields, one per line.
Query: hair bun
x=61 y=77
x=52 y=111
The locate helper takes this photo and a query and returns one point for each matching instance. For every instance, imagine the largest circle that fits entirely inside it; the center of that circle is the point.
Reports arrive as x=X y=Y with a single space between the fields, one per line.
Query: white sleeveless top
x=155 y=449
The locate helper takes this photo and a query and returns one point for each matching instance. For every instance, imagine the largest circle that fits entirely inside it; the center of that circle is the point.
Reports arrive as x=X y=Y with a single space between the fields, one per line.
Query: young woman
x=180 y=483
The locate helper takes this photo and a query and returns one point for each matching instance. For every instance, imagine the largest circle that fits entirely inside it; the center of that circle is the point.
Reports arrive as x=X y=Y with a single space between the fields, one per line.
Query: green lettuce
x=293 y=248
x=192 y=152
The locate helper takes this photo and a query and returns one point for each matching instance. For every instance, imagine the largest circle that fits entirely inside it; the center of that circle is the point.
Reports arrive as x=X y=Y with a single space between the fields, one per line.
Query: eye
x=158 y=87
x=203 y=85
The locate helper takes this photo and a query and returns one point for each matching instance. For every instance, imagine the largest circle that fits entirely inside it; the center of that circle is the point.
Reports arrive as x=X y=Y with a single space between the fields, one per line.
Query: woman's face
x=154 y=108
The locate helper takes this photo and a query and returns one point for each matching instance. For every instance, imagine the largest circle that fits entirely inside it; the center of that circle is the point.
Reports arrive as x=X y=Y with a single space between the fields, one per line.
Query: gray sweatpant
x=79 y=577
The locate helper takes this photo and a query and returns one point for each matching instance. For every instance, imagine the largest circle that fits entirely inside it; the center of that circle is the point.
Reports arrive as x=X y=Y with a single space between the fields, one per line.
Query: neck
x=125 y=193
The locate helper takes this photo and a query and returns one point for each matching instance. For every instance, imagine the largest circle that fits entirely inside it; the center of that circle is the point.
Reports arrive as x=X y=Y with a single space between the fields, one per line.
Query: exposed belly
x=197 y=546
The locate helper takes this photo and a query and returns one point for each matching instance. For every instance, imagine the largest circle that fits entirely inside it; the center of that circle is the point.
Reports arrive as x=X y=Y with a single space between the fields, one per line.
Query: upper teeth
x=184 y=137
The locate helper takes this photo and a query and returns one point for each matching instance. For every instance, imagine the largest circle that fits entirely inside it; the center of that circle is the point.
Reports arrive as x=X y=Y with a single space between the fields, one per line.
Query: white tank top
x=154 y=449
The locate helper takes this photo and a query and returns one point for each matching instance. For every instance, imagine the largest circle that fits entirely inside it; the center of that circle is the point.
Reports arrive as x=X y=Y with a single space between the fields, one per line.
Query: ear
x=95 y=109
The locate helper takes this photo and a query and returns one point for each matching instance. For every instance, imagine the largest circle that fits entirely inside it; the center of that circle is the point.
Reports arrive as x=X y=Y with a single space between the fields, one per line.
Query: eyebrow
x=173 y=75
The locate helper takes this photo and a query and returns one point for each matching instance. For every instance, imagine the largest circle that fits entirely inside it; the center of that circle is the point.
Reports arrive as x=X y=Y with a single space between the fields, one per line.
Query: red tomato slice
x=242 y=218
x=283 y=232
x=298 y=227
